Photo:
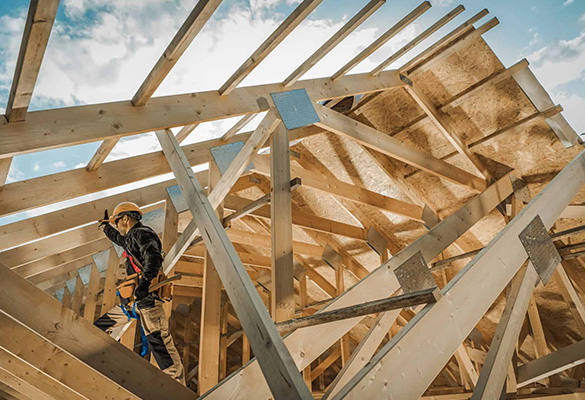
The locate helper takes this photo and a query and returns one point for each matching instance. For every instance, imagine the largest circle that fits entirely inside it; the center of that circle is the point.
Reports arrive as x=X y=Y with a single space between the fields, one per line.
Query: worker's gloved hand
x=141 y=290
x=105 y=221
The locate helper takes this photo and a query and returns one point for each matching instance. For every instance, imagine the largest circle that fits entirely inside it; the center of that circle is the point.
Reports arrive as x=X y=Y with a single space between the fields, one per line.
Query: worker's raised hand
x=105 y=221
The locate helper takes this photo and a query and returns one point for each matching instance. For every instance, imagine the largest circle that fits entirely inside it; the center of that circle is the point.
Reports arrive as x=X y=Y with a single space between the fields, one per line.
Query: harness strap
x=129 y=256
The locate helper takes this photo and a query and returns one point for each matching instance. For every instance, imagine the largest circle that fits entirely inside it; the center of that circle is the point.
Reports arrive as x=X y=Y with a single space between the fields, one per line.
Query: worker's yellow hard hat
x=124 y=208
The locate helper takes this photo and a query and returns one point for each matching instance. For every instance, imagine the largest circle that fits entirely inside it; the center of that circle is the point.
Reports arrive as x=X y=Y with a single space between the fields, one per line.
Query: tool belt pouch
x=164 y=292
x=126 y=288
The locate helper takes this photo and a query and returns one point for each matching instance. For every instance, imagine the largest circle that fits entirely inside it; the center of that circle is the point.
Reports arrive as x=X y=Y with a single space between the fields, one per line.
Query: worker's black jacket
x=143 y=244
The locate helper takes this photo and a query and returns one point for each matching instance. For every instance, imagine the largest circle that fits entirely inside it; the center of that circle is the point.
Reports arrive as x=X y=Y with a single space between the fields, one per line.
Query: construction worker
x=143 y=253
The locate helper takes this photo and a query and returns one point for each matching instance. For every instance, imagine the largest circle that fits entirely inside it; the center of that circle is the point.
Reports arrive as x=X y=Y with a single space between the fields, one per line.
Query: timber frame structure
x=401 y=234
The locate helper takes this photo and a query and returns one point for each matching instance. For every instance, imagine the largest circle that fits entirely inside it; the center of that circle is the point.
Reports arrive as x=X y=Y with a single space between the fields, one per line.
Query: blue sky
x=101 y=50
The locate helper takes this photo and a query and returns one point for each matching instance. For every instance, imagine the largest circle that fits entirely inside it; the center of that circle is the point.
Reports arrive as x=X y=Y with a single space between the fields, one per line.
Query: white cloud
x=59 y=164
x=560 y=62
x=568 y=2
x=36 y=167
x=582 y=18
x=442 y=3
x=573 y=106
x=80 y=165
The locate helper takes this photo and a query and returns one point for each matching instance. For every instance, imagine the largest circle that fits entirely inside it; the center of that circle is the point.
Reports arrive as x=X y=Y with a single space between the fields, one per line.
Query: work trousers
x=156 y=328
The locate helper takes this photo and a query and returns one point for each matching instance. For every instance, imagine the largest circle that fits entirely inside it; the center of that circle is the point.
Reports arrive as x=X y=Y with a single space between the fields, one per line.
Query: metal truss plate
x=224 y=156
x=71 y=284
x=85 y=273
x=414 y=275
x=540 y=249
x=331 y=257
x=376 y=241
x=177 y=198
x=295 y=108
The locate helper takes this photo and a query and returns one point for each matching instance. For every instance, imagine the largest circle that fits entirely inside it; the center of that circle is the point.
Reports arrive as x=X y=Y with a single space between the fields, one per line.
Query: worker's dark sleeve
x=114 y=235
x=150 y=250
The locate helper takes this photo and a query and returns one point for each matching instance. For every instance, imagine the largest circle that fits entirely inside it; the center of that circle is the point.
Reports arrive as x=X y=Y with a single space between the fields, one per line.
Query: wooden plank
x=565 y=287
x=389 y=34
x=304 y=346
x=419 y=38
x=109 y=295
x=275 y=38
x=210 y=326
x=101 y=154
x=34 y=377
x=540 y=346
x=66 y=300
x=277 y=364
x=333 y=41
x=23 y=387
x=551 y=364
x=128 y=335
x=39 y=22
x=282 y=294
x=171 y=229
x=326 y=363
x=229 y=178
x=188 y=31
x=444 y=126
x=233 y=131
x=493 y=268
x=81 y=340
x=77 y=300
x=92 y=293
x=495 y=369
x=370 y=137
x=345 y=190
x=48 y=129
x=185 y=132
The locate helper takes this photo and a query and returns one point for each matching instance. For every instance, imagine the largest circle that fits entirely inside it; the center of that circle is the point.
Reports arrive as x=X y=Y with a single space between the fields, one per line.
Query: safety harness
x=133 y=315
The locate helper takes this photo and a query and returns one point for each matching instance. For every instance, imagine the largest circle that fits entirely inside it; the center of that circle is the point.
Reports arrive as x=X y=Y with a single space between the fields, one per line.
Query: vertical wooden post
x=170 y=233
x=187 y=339
x=109 y=297
x=209 y=345
x=223 y=340
x=129 y=335
x=66 y=302
x=282 y=303
x=92 y=290
x=304 y=301
x=77 y=300
x=245 y=349
x=344 y=342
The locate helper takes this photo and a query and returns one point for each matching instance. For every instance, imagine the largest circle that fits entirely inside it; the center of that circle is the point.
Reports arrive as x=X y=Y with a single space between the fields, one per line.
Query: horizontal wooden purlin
x=60 y=274
x=345 y=190
x=62 y=127
x=197 y=254
x=304 y=220
x=37 y=192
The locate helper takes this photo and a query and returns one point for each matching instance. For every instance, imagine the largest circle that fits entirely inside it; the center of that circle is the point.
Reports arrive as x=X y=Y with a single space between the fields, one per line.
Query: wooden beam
x=109 y=295
x=565 y=287
x=5 y=164
x=442 y=123
x=282 y=295
x=101 y=154
x=77 y=299
x=302 y=344
x=171 y=228
x=231 y=175
x=92 y=292
x=233 y=131
x=50 y=129
x=389 y=34
x=75 y=337
x=495 y=369
x=551 y=364
x=278 y=367
x=346 y=191
x=210 y=326
x=326 y=363
x=370 y=137
x=422 y=36
x=31 y=375
x=285 y=28
x=333 y=41
x=66 y=300
x=493 y=269
x=372 y=307
x=185 y=132
x=190 y=28
x=39 y=22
